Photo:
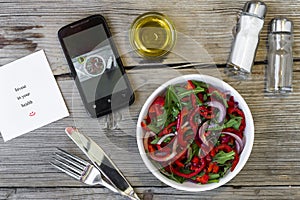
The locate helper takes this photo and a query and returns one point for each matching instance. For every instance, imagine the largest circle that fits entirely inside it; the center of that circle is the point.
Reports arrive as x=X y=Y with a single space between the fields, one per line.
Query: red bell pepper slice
x=206 y=112
x=157 y=107
x=223 y=147
x=235 y=161
x=179 y=164
x=167 y=129
x=144 y=126
x=215 y=169
x=190 y=85
x=239 y=112
x=202 y=179
x=201 y=97
x=151 y=148
x=210 y=167
x=181 y=140
x=181 y=116
x=190 y=175
x=159 y=101
x=195 y=160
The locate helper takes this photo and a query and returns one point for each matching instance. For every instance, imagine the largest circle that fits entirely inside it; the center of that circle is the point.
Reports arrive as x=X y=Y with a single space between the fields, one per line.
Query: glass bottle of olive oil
x=152 y=35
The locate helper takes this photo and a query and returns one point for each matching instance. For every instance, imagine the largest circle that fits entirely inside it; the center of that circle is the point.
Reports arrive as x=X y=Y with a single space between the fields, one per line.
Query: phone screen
x=95 y=63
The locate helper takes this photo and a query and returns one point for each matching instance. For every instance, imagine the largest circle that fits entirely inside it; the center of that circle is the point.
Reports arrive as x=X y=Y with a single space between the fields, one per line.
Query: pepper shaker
x=280 y=56
x=246 y=40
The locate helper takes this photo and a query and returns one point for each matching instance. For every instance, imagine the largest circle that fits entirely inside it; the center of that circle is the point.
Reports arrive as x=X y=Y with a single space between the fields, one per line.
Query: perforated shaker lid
x=281 y=24
x=256 y=8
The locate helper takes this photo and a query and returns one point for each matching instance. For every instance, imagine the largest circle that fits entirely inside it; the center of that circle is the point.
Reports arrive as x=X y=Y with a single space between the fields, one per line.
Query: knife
x=102 y=162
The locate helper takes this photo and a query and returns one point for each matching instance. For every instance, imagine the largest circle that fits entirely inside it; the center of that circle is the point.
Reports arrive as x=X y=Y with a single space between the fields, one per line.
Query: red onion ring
x=201 y=131
x=201 y=135
x=238 y=141
x=220 y=107
x=167 y=157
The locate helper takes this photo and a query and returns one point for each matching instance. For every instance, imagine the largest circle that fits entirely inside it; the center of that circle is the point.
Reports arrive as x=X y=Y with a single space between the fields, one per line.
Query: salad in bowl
x=195 y=133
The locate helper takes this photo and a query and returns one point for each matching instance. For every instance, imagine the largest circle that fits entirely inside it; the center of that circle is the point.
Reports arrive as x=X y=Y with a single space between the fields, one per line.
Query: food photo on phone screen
x=95 y=66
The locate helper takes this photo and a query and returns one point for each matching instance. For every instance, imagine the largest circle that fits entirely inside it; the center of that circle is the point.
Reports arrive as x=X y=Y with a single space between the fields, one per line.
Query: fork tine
x=66 y=170
x=68 y=162
x=73 y=157
x=69 y=166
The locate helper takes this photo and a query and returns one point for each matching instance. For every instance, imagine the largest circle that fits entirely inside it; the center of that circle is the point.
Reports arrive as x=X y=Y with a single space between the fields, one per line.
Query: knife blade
x=102 y=162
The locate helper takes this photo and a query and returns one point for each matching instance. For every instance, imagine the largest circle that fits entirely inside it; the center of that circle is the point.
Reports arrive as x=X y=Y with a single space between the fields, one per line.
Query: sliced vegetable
x=164 y=156
x=239 y=142
x=223 y=157
x=163 y=138
x=220 y=107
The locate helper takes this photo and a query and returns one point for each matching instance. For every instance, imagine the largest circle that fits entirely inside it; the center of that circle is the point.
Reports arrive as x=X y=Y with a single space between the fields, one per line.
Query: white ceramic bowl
x=248 y=133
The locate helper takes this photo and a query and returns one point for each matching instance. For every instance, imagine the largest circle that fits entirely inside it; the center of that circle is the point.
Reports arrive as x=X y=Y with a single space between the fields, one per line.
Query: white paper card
x=30 y=97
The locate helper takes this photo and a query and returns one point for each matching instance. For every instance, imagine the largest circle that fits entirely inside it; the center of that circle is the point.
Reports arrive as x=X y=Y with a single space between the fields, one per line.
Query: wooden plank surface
x=244 y=193
x=204 y=27
x=272 y=172
x=205 y=30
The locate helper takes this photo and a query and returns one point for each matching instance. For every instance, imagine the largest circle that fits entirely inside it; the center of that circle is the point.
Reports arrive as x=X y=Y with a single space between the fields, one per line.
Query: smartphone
x=95 y=65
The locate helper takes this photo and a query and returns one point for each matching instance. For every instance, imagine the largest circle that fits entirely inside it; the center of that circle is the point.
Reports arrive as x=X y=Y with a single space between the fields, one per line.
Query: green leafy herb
x=226 y=167
x=234 y=122
x=167 y=140
x=213 y=176
x=155 y=140
x=161 y=119
x=174 y=112
x=185 y=171
x=200 y=84
x=172 y=98
x=180 y=88
x=176 y=178
x=205 y=97
x=190 y=153
x=213 y=181
x=188 y=92
x=222 y=157
x=153 y=128
x=172 y=105
x=218 y=96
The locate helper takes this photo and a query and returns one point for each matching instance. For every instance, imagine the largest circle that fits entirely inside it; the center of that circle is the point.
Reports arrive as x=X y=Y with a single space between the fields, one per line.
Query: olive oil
x=152 y=35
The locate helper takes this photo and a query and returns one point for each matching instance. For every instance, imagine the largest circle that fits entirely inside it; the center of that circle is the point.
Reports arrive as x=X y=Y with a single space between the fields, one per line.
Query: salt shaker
x=246 y=40
x=280 y=56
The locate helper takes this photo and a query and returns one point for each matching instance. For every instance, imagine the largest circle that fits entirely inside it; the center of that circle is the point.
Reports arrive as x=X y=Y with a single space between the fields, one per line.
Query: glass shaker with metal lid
x=280 y=56
x=246 y=40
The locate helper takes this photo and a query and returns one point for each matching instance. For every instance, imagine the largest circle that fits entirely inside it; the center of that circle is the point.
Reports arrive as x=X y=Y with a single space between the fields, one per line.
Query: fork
x=81 y=170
